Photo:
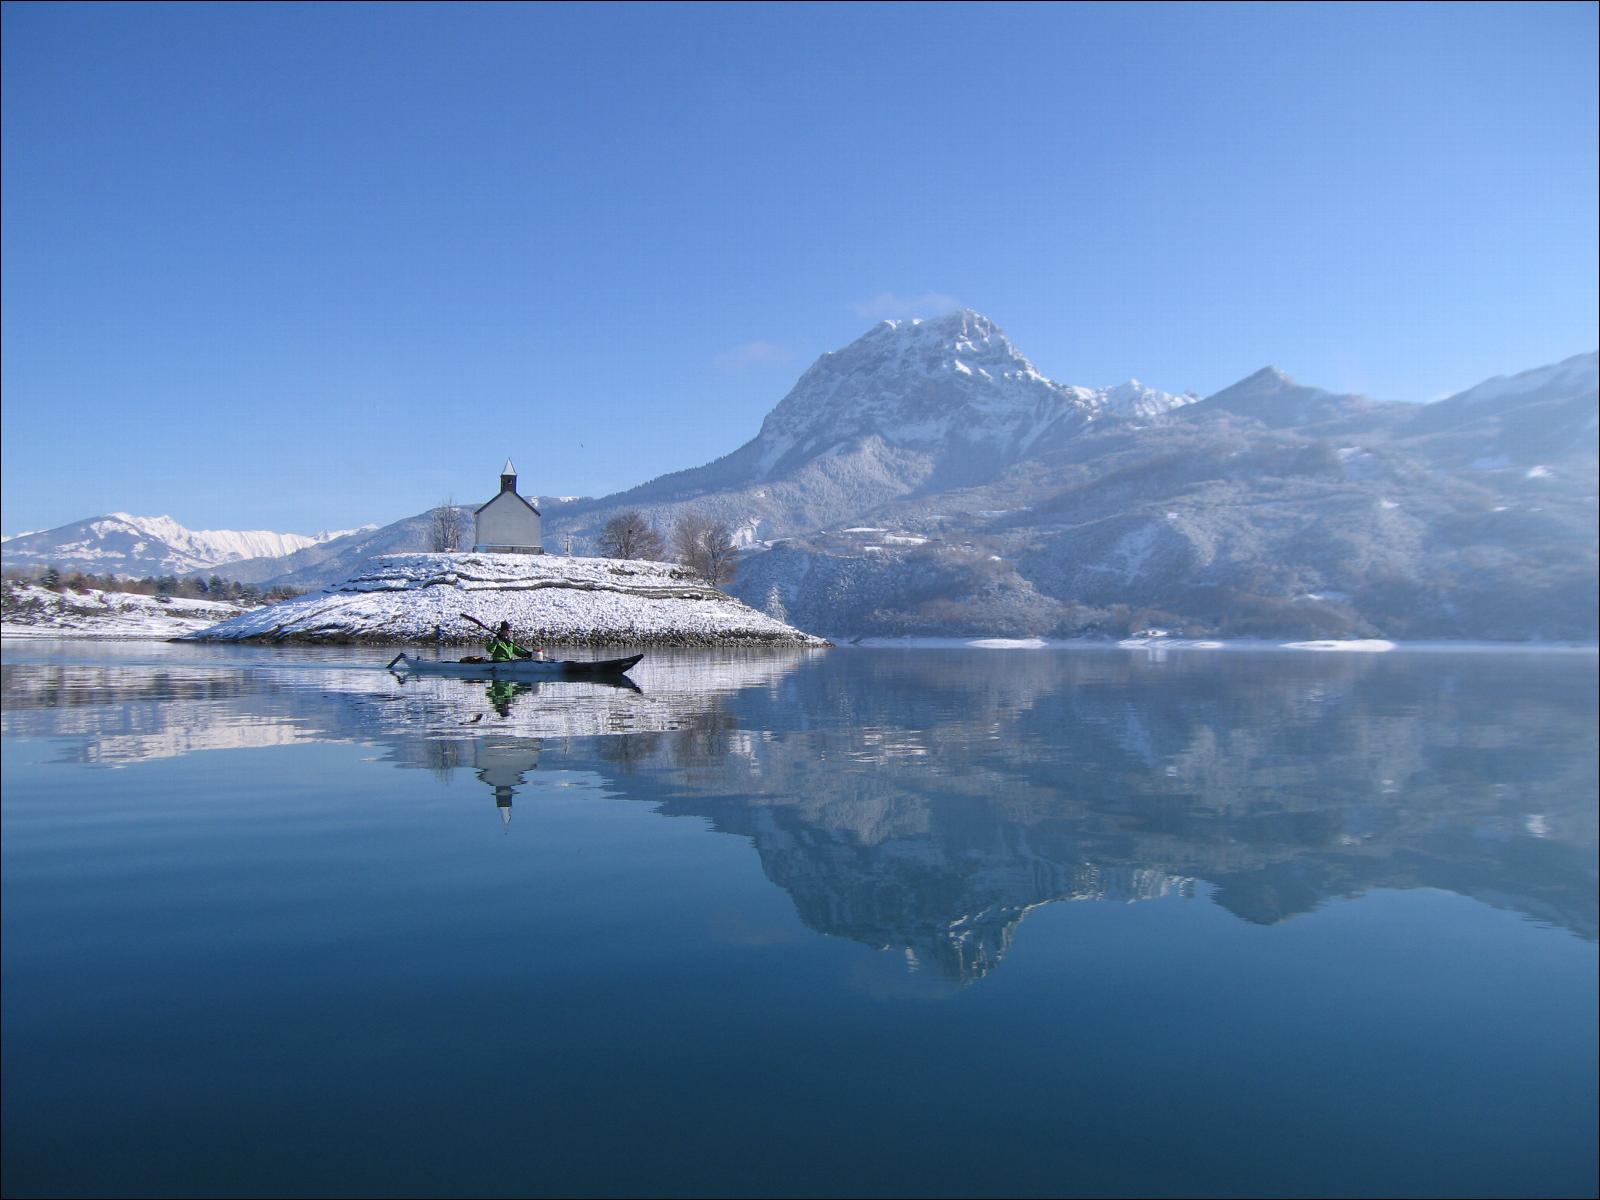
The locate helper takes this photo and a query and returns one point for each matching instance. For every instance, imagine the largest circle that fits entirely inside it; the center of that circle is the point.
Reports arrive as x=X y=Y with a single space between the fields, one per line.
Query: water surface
x=942 y=922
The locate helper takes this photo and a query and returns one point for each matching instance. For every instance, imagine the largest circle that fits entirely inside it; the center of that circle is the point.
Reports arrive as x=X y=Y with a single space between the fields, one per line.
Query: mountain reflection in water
x=924 y=802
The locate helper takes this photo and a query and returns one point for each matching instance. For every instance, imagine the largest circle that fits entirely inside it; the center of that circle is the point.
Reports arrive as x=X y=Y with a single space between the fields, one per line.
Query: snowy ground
x=406 y=598
x=33 y=611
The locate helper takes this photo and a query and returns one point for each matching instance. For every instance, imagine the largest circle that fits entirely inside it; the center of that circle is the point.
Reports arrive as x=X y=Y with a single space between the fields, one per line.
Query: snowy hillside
x=123 y=544
x=407 y=598
x=32 y=611
x=1575 y=376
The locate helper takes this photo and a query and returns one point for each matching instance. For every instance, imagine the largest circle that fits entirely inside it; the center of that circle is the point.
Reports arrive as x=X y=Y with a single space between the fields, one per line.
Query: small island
x=407 y=599
x=448 y=596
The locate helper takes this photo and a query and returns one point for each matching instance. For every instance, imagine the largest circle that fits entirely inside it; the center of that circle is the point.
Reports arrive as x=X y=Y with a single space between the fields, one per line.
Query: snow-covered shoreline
x=410 y=599
x=39 y=612
x=1233 y=645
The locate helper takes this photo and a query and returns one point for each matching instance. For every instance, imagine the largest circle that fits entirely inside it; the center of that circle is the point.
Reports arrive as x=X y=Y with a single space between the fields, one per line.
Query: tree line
x=228 y=591
x=699 y=542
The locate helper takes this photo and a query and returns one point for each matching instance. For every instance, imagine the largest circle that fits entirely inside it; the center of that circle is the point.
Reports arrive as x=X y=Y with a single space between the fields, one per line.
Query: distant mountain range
x=928 y=479
x=122 y=544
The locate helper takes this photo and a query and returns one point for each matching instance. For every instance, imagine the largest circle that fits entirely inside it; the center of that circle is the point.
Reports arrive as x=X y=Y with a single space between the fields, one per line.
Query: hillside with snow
x=410 y=598
x=27 y=610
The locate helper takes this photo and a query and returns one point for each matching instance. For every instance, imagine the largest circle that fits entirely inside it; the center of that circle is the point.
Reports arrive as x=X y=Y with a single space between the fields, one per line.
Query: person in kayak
x=502 y=648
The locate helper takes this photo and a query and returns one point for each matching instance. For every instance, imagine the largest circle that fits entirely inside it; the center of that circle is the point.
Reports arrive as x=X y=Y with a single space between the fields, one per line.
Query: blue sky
x=298 y=267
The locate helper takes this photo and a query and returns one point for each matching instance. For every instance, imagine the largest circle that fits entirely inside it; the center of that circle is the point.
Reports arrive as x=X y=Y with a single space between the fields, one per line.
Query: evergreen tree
x=775 y=605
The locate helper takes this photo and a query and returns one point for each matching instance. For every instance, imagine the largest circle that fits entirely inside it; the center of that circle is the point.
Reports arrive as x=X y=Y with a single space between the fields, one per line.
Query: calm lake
x=854 y=922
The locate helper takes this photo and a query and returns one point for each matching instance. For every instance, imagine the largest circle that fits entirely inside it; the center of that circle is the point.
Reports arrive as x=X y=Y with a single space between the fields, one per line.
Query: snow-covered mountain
x=1517 y=423
x=954 y=391
x=123 y=544
x=1134 y=399
x=928 y=479
x=910 y=407
x=951 y=385
x=1278 y=402
x=1269 y=507
x=1575 y=376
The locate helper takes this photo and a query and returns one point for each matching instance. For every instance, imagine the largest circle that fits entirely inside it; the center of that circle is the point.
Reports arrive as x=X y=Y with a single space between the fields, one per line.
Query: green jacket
x=503 y=649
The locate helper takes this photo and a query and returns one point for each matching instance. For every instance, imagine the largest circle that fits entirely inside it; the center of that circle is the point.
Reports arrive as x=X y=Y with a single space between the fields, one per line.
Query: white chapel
x=508 y=524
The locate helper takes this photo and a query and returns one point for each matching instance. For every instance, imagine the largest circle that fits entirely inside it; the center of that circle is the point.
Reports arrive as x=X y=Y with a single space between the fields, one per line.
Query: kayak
x=522 y=668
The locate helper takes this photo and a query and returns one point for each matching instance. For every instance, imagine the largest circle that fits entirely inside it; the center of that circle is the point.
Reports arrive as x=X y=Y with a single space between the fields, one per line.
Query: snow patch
x=1356 y=645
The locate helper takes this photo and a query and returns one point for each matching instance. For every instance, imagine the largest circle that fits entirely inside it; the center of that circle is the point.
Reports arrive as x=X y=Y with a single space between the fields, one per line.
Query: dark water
x=951 y=922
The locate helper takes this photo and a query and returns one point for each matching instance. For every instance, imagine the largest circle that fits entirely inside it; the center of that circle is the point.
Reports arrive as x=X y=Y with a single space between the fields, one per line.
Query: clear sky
x=299 y=267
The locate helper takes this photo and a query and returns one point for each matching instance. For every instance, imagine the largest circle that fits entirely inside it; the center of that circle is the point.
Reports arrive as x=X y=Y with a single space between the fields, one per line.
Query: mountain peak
x=1135 y=399
x=919 y=385
x=962 y=320
x=962 y=325
x=1268 y=375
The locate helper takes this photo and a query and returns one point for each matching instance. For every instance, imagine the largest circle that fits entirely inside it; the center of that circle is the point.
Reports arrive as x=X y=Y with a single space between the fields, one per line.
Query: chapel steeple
x=508 y=523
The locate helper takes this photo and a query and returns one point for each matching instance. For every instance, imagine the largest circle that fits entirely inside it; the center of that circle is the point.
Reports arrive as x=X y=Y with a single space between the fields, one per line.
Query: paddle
x=477 y=622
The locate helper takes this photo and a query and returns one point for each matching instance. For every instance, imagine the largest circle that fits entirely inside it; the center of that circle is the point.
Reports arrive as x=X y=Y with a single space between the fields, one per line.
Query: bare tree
x=722 y=556
x=447 y=527
x=686 y=541
x=630 y=535
x=705 y=547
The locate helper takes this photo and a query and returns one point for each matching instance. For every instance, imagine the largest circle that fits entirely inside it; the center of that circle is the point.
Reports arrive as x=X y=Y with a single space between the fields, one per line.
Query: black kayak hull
x=521 y=669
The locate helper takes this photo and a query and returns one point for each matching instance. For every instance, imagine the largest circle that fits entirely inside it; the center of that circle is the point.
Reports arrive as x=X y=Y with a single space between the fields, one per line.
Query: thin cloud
x=752 y=354
x=892 y=304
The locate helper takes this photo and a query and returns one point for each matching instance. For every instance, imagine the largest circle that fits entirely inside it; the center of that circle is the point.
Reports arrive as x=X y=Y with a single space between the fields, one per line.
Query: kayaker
x=501 y=646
